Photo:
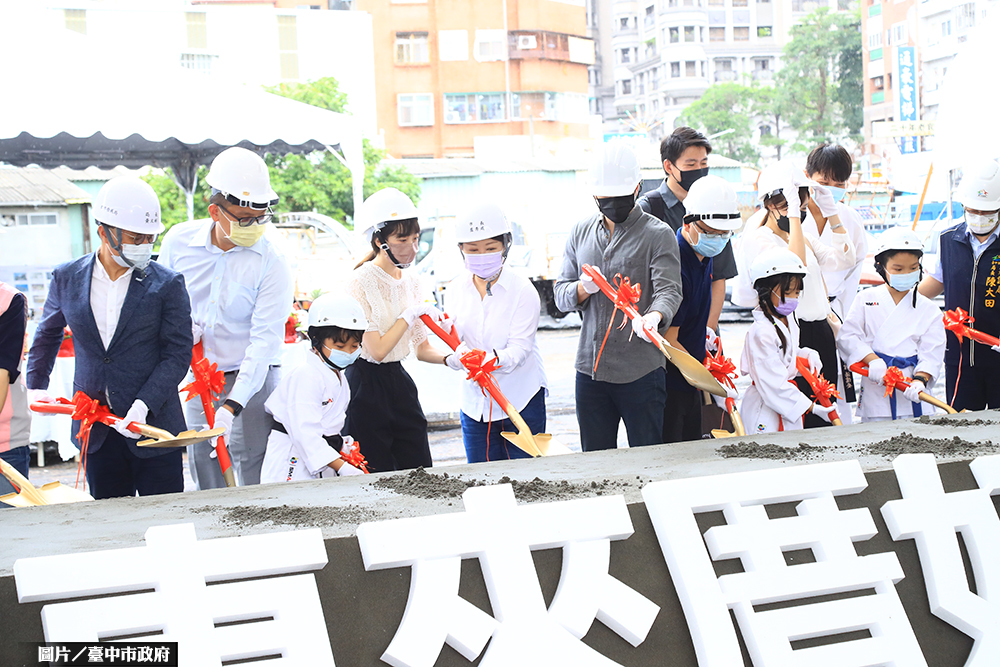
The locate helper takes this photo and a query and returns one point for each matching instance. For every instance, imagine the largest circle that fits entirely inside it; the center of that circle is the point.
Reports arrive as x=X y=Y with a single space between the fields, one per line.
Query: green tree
x=320 y=182
x=821 y=74
x=723 y=107
x=769 y=104
x=173 y=203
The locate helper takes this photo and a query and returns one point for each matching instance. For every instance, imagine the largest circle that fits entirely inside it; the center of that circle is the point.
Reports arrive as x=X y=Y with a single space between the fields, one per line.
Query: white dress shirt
x=505 y=322
x=813 y=302
x=842 y=285
x=240 y=298
x=310 y=402
x=106 y=299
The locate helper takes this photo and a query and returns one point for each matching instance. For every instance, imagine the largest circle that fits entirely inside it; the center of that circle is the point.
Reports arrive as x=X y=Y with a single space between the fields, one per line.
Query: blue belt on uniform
x=901 y=362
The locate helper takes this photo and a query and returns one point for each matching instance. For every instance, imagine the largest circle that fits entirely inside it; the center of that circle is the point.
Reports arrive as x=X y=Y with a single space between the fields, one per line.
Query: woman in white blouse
x=384 y=414
x=496 y=311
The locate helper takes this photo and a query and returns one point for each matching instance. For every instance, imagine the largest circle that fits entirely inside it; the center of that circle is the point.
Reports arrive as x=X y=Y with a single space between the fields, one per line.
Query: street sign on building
x=903 y=128
x=907 y=103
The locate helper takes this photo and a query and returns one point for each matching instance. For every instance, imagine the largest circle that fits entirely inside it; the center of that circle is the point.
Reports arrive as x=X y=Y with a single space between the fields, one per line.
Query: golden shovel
x=53 y=493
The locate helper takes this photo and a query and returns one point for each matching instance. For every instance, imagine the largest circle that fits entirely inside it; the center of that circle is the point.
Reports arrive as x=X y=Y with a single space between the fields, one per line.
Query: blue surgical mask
x=710 y=246
x=339 y=359
x=838 y=193
x=904 y=282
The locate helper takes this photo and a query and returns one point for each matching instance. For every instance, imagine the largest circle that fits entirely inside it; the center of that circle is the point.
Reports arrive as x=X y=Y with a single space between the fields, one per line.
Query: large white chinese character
x=932 y=517
x=178 y=568
x=501 y=534
x=768 y=628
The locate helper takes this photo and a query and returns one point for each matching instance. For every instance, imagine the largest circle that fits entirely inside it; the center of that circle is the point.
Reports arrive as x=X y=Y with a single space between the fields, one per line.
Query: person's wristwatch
x=234 y=406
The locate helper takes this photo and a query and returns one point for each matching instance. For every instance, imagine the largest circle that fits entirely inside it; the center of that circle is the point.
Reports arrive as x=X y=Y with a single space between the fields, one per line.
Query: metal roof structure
x=32 y=186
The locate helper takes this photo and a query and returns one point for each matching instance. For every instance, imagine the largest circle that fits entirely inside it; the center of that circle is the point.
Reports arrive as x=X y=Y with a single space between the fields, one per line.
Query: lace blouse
x=384 y=299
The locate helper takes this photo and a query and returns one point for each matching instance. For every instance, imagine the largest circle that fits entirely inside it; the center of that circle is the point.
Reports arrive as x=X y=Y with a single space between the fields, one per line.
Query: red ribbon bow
x=823 y=388
x=479 y=371
x=88 y=411
x=894 y=378
x=722 y=368
x=626 y=297
x=355 y=457
x=208 y=380
x=957 y=321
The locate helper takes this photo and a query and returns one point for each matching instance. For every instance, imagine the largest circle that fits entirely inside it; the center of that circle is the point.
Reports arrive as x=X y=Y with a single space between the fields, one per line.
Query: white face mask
x=981 y=224
x=138 y=255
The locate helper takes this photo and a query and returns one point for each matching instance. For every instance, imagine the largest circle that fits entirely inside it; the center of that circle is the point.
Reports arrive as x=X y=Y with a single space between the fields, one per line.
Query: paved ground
x=439 y=389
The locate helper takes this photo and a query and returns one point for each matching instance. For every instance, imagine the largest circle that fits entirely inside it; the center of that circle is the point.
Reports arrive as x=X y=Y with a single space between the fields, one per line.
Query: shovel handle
x=734 y=416
x=862 y=369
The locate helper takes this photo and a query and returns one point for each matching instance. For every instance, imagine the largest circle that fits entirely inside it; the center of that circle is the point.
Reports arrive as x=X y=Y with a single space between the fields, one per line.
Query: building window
x=897 y=34
x=197 y=30
x=33 y=219
x=76 y=20
x=650 y=16
x=716 y=3
x=716 y=34
x=741 y=34
x=491 y=45
x=626 y=56
x=288 y=48
x=690 y=68
x=411 y=47
x=675 y=70
x=198 y=62
x=675 y=35
x=966 y=15
x=763 y=31
x=623 y=23
x=474 y=108
x=878 y=83
x=415 y=109
x=946 y=28
x=626 y=87
x=875 y=39
x=689 y=33
x=739 y=3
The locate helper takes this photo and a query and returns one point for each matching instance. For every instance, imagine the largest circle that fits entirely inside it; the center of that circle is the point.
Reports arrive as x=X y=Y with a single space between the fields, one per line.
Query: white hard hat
x=615 y=171
x=128 y=202
x=481 y=222
x=980 y=186
x=242 y=176
x=776 y=177
x=385 y=206
x=776 y=261
x=713 y=201
x=898 y=238
x=337 y=310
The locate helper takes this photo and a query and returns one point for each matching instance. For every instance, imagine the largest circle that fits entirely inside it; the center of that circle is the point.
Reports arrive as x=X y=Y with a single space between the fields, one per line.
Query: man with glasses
x=131 y=323
x=712 y=215
x=241 y=295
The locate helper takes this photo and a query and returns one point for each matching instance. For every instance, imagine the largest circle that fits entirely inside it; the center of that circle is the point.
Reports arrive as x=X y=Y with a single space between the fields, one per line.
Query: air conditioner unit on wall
x=527 y=42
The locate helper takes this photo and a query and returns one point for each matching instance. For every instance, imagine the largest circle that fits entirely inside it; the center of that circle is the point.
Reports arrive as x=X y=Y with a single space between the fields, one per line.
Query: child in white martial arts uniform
x=889 y=326
x=310 y=404
x=773 y=402
x=495 y=310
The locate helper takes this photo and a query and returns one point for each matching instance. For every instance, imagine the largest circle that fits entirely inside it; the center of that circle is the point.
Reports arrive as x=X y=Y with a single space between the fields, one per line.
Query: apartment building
x=889 y=33
x=450 y=73
x=668 y=52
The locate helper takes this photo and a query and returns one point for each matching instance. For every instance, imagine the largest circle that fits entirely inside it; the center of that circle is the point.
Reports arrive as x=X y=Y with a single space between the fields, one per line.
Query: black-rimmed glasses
x=250 y=220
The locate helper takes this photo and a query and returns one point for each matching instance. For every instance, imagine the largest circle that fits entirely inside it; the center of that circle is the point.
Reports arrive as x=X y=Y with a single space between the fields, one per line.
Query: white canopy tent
x=68 y=103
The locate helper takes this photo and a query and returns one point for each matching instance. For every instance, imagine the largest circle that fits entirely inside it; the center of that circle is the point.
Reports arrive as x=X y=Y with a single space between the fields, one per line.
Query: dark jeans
x=114 y=471
x=819 y=336
x=682 y=416
x=385 y=417
x=19 y=458
x=475 y=433
x=601 y=405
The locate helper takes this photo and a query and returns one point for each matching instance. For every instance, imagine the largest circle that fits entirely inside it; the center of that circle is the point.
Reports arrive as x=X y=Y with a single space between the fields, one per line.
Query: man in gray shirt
x=628 y=382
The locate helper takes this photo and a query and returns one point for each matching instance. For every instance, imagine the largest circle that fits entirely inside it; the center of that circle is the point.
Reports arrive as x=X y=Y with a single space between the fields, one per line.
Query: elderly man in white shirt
x=496 y=311
x=241 y=295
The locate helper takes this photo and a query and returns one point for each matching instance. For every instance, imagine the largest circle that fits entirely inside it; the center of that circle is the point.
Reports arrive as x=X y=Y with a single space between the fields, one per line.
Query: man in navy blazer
x=131 y=324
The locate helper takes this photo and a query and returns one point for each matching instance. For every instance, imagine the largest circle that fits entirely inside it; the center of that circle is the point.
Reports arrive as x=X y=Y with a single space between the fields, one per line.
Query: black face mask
x=783 y=223
x=689 y=177
x=616 y=209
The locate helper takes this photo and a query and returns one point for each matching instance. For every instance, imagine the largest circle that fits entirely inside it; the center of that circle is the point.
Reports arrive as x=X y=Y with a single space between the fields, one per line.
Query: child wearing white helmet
x=495 y=310
x=309 y=406
x=385 y=414
x=773 y=402
x=893 y=325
